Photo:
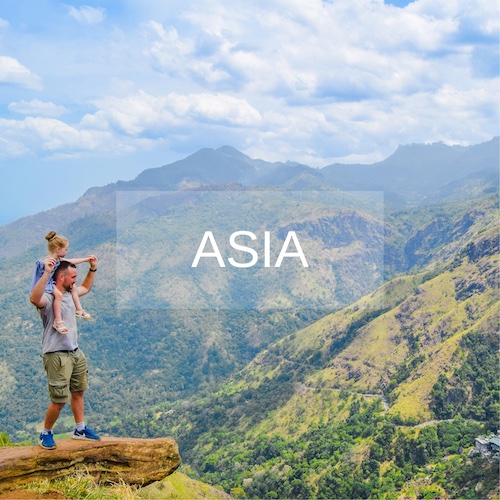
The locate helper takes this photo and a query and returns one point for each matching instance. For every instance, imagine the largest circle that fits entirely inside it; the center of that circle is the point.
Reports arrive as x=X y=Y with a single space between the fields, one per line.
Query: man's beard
x=68 y=288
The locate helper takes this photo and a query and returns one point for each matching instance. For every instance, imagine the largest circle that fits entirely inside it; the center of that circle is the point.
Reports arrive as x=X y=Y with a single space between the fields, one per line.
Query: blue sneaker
x=46 y=441
x=85 y=434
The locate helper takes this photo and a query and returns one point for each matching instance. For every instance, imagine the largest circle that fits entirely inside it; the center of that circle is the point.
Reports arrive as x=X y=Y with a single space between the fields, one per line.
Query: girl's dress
x=39 y=269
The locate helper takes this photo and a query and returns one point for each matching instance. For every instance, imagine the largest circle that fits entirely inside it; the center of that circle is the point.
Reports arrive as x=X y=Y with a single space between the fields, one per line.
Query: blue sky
x=96 y=91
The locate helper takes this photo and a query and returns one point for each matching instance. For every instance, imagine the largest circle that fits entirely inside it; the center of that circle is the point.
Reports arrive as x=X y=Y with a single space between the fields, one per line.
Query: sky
x=97 y=91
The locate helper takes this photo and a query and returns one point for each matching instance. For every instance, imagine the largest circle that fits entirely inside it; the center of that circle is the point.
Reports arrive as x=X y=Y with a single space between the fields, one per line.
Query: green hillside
x=141 y=357
x=380 y=394
x=322 y=410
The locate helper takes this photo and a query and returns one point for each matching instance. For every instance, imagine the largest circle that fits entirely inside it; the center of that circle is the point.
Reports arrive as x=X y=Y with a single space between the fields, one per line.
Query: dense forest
x=362 y=452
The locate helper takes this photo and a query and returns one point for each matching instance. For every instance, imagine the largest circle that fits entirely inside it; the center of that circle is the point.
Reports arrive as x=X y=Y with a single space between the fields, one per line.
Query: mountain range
x=285 y=402
x=414 y=174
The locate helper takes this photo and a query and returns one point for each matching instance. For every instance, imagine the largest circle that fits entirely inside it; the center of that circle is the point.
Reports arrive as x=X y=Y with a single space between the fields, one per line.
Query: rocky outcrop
x=133 y=461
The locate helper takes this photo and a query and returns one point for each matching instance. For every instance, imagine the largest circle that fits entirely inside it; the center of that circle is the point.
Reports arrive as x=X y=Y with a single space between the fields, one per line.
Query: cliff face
x=448 y=233
x=133 y=461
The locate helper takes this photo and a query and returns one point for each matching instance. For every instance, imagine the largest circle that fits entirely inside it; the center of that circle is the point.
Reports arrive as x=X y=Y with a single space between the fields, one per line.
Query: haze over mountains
x=226 y=383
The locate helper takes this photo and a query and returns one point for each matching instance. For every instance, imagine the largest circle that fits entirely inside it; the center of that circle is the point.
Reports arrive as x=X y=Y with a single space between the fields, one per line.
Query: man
x=64 y=362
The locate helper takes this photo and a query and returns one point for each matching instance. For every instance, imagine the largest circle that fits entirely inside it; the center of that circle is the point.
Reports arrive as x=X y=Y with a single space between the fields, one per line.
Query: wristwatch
x=93 y=270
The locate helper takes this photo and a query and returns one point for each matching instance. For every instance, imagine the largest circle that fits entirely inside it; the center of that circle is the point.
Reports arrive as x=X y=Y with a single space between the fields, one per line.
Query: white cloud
x=52 y=137
x=167 y=49
x=218 y=108
x=310 y=81
x=131 y=115
x=87 y=14
x=149 y=114
x=13 y=72
x=4 y=23
x=302 y=51
x=120 y=125
x=37 y=107
x=12 y=148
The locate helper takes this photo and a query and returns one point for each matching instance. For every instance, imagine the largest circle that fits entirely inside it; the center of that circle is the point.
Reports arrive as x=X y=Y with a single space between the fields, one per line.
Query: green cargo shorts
x=66 y=373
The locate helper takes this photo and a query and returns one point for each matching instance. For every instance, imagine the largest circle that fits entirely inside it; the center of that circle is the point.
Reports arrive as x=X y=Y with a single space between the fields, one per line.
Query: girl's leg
x=58 y=324
x=76 y=299
x=80 y=312
x=57 y=305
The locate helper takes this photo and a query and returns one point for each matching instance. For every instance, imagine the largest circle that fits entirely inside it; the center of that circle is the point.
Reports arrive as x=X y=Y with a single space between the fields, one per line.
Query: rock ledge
x=134 y=461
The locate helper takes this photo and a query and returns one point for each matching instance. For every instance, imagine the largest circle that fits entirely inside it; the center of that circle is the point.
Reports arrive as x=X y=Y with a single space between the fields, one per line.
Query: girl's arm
x=81 y=260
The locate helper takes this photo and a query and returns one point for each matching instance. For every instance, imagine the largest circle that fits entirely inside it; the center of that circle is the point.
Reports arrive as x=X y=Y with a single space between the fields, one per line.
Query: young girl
x=58 y=247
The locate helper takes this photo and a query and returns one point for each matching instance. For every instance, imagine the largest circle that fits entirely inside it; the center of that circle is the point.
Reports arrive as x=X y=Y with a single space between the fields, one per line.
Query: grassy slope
x=358 y=353
x=80 y=485
x=413 y=317
x=437 y=320
x=178 y=485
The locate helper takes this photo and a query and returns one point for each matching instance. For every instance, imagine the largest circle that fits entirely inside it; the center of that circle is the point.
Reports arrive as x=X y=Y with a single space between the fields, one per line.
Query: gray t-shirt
x=52 y=340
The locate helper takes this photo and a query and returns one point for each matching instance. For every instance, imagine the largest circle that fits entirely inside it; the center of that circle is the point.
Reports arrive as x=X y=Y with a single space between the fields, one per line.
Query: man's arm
x=37 y=296
x=88 y=281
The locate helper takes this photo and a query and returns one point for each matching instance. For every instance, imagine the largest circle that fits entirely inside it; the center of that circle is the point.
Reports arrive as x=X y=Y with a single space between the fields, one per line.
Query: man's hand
x=93 y=260
x=89 y=278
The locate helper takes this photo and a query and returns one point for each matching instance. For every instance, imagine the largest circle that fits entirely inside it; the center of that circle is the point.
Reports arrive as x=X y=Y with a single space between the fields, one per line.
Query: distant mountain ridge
x=415 y=173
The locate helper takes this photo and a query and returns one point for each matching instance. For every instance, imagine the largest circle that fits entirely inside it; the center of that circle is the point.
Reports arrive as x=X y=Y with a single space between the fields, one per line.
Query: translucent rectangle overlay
x=247 y=249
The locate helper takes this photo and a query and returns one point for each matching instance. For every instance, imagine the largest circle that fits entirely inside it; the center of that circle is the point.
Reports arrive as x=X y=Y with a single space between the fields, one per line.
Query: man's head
x=65 y=275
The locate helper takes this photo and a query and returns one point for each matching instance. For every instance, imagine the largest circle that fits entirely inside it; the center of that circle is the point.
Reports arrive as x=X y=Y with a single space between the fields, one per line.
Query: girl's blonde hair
x=56 y=241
